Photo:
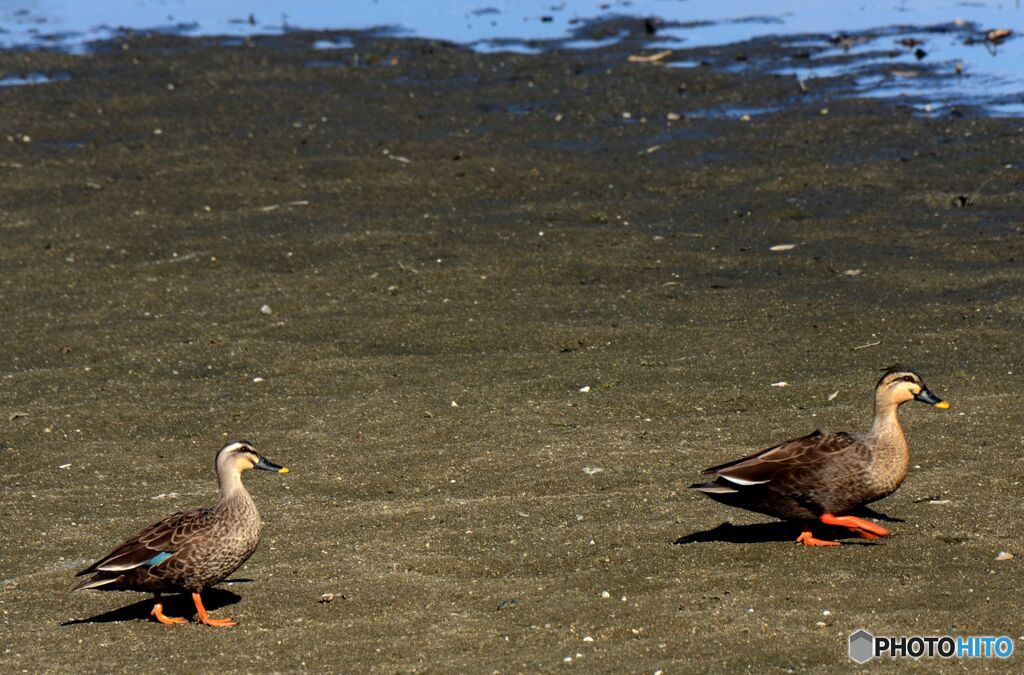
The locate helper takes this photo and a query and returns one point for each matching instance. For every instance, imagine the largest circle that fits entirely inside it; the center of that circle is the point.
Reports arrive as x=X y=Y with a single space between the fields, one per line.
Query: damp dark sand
x=452 y=246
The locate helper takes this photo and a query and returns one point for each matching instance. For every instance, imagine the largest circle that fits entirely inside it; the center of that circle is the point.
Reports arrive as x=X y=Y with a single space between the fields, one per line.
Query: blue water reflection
x=865 y=38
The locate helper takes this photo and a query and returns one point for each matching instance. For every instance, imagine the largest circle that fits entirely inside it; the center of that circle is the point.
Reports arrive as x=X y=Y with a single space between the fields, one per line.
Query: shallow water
x=31 y=78
x=868 y=40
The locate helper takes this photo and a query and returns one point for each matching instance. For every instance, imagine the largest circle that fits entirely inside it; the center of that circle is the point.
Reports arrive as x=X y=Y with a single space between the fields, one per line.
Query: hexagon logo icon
x=862 y=646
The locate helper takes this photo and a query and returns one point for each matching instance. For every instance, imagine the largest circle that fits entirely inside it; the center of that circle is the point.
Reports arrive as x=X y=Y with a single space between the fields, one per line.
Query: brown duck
x=192 y=550
x=826 y=475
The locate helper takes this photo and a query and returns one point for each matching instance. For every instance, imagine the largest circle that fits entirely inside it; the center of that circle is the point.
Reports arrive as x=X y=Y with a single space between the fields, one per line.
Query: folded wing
x=151 y=547
x=796 y=455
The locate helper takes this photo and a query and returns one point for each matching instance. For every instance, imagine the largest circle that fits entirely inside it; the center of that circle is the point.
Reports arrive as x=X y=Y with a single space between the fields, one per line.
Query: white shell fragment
x=1004 y=555
x=833 y=395
x=780 y=384
x=778 y=248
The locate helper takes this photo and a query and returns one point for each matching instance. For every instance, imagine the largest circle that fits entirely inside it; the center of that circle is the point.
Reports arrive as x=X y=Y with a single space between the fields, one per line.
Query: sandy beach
x=495 y=312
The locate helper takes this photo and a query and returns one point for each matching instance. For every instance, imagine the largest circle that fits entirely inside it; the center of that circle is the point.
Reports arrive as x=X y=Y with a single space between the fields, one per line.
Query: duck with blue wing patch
x=191 y=550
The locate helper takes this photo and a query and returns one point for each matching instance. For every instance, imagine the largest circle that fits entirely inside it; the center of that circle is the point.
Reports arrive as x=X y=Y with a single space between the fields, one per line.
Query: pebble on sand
x=1004 y=555
x=266 y=311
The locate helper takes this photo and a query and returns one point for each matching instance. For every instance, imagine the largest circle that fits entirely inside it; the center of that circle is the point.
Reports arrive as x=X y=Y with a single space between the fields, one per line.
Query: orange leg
x=807 y=539
x=864 y=528
x=205 y=619
x=158 y=613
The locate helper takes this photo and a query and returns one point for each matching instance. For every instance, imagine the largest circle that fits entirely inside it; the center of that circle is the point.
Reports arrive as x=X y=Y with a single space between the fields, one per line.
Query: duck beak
x=267 y=465
x=926 y=396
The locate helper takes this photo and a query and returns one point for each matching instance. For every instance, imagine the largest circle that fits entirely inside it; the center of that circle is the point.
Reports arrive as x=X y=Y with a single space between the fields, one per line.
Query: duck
x=190 y=551
x=824 y=476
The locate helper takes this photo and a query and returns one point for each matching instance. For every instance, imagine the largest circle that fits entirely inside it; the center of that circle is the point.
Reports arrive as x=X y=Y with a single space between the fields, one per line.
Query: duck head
x=900 y=385
x=239 y=456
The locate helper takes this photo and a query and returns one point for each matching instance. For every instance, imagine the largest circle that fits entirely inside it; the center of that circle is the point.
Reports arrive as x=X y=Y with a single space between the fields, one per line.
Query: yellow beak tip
x=284 y=469
x=942 y=405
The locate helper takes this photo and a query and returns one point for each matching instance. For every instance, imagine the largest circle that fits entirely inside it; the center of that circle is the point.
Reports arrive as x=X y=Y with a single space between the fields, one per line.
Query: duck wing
x=797 y=455
x=155 y=544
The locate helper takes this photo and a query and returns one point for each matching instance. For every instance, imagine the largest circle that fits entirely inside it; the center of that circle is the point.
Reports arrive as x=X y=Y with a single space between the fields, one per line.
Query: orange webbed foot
x=204 y=618
x=158 y=614
x=807 y=539
x=862 y=527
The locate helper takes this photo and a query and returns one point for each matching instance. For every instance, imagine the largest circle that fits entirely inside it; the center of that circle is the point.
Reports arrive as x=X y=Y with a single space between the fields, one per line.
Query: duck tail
x=714 y=488
x=94 y=582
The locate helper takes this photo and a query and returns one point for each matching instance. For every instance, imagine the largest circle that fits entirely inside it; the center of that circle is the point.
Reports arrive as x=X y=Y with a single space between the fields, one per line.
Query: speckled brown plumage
x=191 y=550
x=827 y=474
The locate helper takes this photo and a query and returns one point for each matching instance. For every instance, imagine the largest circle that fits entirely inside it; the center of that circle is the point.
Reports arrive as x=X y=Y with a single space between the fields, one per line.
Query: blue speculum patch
x=157 y=559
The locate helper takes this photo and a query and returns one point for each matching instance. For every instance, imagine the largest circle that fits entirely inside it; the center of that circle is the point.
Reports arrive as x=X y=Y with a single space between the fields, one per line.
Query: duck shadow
x=865 y=512
x=176 y=604
x=760 y=533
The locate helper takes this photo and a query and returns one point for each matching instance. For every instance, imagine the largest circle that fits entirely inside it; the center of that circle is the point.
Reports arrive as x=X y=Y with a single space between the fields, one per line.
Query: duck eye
x=907 y=378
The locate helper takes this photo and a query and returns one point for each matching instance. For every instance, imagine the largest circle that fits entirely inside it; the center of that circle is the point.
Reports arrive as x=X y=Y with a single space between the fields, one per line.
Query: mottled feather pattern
x=800 y=452
x=206 y=545
x=820 y=473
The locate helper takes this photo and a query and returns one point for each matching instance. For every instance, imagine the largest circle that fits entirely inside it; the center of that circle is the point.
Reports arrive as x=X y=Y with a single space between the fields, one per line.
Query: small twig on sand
x=274 y=207
x=970 y=200
x=406 y=268
x=649 y=58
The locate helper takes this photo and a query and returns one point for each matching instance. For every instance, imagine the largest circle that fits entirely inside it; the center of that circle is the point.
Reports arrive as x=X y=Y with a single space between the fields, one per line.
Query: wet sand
x=452 y=246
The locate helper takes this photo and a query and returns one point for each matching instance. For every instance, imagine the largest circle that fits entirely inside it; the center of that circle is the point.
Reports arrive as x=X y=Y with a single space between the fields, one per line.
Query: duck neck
x=886 y=425
x=231 y=484
x=891 y=451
